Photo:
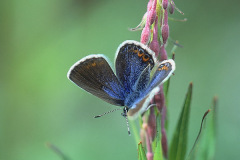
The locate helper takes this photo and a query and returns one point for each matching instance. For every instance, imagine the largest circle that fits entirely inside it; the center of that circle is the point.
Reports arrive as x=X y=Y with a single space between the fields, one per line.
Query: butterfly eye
x=145 y=57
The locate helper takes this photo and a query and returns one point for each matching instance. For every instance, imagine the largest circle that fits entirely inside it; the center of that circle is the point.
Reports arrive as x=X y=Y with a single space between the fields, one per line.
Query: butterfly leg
x=124 y=114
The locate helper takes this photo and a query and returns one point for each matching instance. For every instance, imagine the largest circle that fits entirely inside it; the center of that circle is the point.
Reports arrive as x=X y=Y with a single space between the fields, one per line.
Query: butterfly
x=131 y=86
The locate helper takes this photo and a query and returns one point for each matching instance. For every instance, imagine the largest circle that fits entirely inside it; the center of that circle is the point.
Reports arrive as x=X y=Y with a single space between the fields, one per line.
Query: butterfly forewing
x=132 y=58
x=94 y=75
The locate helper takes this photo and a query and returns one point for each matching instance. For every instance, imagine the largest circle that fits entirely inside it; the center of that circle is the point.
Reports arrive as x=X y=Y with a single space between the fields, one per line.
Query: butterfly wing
x=132 y=58
x=163 y=72
x=139 y=87
x=94 y=75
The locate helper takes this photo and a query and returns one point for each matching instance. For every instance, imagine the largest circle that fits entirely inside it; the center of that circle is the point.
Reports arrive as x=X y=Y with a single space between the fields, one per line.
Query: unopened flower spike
x=145 y=36
x=165 y=4
x=154 y=45
x=152 y=12
x=165 y=27
x=163 y=53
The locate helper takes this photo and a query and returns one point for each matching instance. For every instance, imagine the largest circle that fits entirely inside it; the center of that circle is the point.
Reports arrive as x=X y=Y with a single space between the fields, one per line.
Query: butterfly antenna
x=107 y=112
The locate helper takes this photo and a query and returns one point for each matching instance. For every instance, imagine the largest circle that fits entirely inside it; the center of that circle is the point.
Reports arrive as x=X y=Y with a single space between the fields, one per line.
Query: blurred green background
x=40 y=40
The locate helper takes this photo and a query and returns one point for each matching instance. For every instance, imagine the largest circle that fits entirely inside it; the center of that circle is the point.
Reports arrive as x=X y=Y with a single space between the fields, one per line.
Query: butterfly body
x=131 y=84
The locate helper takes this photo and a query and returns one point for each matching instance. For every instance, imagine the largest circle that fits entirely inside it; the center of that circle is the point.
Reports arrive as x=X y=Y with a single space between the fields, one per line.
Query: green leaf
x=193 y=153
x=141 y=152
x=209 y=137
x=56 y=150
x=179 y=142
x=158 y=155
x=166 y=91
x=166 y=87
x=135 y=130
x=204 y=148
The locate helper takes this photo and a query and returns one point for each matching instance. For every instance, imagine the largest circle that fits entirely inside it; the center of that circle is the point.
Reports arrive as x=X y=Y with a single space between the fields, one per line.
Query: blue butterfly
x=131 y=86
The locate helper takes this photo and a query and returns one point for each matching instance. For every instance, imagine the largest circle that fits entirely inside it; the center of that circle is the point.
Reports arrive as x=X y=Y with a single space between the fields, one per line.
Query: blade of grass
x=158 y=155
x=135 y=130
x=141 y=152
x=209 y=138
x=204 y=149
x=57 y=151
x=179 y=142
x=193 y=153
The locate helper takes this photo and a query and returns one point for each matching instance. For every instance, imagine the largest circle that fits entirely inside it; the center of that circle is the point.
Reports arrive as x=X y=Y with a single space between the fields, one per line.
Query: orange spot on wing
x=163 y=68
x=94 y=64
x=135 y=51
x=140 y=54
x=145 y=59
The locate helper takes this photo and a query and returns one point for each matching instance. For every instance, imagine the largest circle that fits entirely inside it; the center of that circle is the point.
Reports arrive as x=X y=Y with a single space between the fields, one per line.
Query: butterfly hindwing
x=163 y=72
x=94 y=75
x=139 y=87
x=132 y=58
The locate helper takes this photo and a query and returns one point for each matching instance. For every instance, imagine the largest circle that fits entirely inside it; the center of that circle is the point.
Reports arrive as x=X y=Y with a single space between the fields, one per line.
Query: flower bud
x=154 y=45
x=171 y=7
x=151 y=16
x=149 y=5
x=164 y=143
x=165 y=33
x=163 y=53
x=152 y=124
x=165 y=4
x=146 y=32
x=152 y=12
x=165 y=28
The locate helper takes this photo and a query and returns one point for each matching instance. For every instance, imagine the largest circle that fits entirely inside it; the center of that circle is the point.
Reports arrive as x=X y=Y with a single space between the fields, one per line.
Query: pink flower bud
x=163 y=131
x=163 y=53
x=151 y=16
x=152 y=12
x=146 y=32
x=149 y=155
x=152 y=124
x=164 y=143
x=159 y=99
x=165 y=33
x=149 y=6
x=171 y=7
x=154 y=45
x=165 y=4
x=165 y=27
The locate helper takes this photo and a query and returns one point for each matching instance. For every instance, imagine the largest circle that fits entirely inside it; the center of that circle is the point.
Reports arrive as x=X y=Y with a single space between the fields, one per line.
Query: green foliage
x=158 y=155
x=166 y=87
x=56 y=150
x=179 y=142
x=204 y=147
x=141 y=152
